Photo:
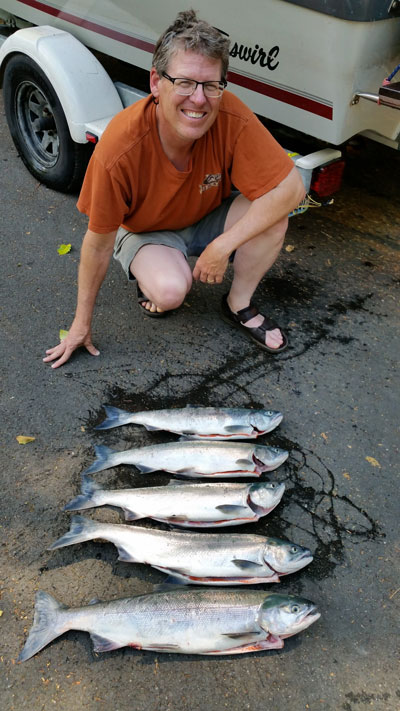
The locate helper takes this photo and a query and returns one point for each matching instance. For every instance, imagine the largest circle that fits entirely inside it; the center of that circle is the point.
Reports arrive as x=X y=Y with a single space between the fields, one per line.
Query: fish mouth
x=262 y=510
x=274 y=642
x=308 y=619
x=260 y=466
x=275 y=461
x=300 y=563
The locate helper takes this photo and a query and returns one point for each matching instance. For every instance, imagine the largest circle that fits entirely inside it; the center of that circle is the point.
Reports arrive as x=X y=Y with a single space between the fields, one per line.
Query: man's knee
x=169 y=295
x=278 y=231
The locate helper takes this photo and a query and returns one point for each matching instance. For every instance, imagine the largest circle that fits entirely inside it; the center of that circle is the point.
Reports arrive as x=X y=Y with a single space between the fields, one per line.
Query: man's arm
x=95 y=257
x=263 y=212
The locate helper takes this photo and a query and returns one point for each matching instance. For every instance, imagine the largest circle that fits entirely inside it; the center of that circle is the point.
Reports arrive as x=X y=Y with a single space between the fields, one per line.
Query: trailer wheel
x=39 y=128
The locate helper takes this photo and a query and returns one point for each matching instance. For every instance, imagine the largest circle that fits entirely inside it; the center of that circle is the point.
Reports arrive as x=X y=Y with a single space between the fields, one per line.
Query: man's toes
x=273 y=339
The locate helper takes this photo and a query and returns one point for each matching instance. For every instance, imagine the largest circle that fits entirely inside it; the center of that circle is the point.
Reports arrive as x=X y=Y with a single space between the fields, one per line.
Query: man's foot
x=147 y=306
x=263 y=331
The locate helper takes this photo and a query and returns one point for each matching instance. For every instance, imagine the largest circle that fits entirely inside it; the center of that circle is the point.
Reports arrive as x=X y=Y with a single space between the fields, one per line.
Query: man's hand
x=95 y=256
x=212 y=263
x=76 y=337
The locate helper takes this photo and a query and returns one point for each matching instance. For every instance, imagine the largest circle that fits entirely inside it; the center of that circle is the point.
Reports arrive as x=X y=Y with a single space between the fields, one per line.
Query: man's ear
x=154 y=79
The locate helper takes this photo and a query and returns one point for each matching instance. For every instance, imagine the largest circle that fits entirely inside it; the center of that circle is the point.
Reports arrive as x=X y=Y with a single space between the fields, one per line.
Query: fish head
x=268 y=458
x=285 y=557
x=286 y=615
x=264 y=496
x=264 y=421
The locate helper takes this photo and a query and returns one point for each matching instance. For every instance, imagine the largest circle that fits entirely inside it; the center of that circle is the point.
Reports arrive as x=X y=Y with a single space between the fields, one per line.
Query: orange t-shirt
x=131 y=182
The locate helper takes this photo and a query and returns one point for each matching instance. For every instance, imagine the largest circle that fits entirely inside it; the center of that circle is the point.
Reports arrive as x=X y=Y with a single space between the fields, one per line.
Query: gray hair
x=191 y=34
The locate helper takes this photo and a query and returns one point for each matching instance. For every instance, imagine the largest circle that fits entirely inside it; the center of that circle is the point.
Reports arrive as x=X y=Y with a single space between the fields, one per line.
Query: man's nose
x=198 y=97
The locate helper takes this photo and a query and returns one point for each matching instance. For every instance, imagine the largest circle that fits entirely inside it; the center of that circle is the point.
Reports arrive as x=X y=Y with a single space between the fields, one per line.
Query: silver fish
x=195 y=558
x=198 y=422
x=194 y=459
x=183 y=504
x=180 y=620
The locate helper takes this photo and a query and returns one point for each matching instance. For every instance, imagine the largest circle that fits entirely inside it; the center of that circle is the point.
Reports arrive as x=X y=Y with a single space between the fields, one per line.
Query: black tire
x=39 y=128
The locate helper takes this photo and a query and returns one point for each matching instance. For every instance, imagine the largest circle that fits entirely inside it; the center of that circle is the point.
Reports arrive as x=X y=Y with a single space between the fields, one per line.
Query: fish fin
x=151 y=428
x=184 y=437
x=162 y=647
x=173 y=580
x=177 y=517
x=242 y=635
x=176 y=482
x=45 y=627
x=131 y=515
x=94 y=601
x=167 y=587
x=186 y=470
x=245 y=463
x=125 y=557
x=78 y=503
x=81 y=529
x=115 y=418
x=245 y=564
x=85 y=499
x=105 y=459
x=143 y=469
x=101 y=644
x=269 y=643
x=232 y=509
x=237 y=429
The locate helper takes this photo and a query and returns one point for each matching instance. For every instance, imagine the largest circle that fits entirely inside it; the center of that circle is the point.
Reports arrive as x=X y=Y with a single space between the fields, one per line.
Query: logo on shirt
x=211 y=180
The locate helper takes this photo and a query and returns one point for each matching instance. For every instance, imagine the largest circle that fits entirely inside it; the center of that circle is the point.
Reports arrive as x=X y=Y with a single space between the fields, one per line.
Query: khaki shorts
x=191 y=241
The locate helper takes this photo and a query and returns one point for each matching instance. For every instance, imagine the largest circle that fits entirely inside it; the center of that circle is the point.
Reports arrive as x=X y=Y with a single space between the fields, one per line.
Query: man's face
x=184 y=119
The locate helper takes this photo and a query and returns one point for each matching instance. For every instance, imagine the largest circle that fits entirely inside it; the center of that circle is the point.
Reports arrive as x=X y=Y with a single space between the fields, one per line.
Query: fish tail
x=115 y=418
x=105 y=459
x=87 y=499
x=81 y=529
x=47 y=625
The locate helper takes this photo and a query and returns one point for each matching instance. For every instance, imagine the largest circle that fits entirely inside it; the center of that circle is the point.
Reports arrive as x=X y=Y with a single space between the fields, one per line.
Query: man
x=159 y=188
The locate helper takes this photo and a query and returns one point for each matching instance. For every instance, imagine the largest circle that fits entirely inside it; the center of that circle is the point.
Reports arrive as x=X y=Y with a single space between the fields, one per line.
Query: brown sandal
x=142 y=299
x=256 y=334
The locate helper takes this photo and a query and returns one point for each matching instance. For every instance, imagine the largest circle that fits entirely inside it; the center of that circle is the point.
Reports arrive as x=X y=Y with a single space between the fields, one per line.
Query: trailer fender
x=86 y=93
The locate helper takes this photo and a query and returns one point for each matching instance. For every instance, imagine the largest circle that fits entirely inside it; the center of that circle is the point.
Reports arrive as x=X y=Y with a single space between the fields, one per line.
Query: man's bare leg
x=252 y=261
x=163 y=275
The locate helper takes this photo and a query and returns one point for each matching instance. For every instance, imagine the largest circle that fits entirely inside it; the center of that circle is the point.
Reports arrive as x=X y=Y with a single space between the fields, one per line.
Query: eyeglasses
x=187 y=87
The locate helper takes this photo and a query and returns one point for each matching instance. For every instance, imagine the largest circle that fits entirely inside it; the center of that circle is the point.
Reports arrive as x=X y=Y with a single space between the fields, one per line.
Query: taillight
x=327 y=180
x=91 y=137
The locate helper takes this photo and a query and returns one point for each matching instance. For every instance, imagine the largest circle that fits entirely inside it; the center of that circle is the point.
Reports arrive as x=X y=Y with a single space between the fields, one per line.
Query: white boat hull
x=293 y=65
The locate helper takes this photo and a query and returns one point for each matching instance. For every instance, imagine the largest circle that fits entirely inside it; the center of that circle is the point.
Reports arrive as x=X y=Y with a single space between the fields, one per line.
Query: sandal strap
x=267 y=325
x=249 y=312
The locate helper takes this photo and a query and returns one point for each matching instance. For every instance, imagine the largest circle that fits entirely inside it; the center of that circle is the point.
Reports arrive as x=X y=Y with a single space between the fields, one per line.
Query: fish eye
x=294 y=549
x=295 y=608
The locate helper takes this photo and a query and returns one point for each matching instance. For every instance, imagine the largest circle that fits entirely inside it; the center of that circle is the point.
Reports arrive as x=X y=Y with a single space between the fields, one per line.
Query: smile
x=193 y=114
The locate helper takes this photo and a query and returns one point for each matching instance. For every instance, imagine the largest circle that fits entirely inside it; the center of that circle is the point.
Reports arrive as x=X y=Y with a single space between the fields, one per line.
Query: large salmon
x=194 y=459
x=195 y=558
x=198 y=422
x=186 y=504
x=183 y=620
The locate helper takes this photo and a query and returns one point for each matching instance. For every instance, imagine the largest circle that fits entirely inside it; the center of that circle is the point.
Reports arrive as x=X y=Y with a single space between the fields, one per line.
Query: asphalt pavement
x=336 y=289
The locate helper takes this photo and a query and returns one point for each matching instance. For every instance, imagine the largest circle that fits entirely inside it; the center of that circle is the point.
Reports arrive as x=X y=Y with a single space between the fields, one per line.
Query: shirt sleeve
x=259 y=162
x=105 y=197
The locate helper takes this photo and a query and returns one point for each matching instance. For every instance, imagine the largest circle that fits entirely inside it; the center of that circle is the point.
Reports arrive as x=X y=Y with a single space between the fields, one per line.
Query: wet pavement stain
x=312 y=505
x=363 y=698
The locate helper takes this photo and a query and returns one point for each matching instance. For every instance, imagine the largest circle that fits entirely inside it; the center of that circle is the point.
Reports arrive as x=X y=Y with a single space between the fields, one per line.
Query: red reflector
x=327 y=180
x=91 y=137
